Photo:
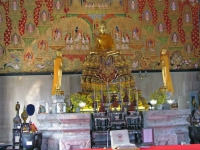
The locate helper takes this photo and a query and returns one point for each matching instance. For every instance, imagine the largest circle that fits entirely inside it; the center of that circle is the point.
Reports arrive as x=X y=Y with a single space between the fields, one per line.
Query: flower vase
x=159 y=107
x=77 y=110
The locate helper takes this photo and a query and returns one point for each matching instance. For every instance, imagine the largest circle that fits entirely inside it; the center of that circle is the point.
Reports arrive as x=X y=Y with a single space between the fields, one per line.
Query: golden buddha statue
x=164 y=60
x=57 y=77
x=105 y=68
x=104 y=43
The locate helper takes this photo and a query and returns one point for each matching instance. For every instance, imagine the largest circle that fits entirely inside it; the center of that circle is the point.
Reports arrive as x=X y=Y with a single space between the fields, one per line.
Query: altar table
x=167 y=147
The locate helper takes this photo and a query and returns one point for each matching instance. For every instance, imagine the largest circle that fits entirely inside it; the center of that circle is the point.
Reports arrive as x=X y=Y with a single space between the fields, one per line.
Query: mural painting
x=30 y=31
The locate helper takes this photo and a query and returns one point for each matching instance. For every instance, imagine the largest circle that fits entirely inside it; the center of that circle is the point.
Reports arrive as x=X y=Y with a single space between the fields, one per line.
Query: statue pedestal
x=58 y=105
x=170 y=126
x=65 y=131
x=58 y=98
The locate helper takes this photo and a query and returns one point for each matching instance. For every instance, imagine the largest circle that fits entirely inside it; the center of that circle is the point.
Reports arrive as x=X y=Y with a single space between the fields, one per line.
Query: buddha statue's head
x=102 y=26
x=164 y=51
x=59 y=53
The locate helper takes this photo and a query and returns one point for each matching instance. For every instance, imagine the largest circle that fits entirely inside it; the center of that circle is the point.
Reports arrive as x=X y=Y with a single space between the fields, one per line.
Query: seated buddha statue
x=104 y=43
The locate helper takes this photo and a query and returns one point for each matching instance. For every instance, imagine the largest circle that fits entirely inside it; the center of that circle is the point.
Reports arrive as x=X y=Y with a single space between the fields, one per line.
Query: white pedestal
x=58 y=105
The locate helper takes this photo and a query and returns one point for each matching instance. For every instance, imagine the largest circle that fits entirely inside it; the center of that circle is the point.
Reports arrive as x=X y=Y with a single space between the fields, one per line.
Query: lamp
x=142 y=76
x=153 y=102
x=82 y=105
x=170 y=102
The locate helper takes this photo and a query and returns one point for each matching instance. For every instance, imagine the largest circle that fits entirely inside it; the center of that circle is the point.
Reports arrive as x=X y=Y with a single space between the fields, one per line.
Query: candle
x=47 y=108
x=97 y=106
x=108 y=92
x=120 y=89
x=101 y=93
x=94 y=94
x=136 y=96
x=50 y=110
x=129 y=94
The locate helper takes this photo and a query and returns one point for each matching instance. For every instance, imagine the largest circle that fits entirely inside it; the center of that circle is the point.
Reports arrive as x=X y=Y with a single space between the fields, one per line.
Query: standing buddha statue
x=57 y=77
x=165 y=64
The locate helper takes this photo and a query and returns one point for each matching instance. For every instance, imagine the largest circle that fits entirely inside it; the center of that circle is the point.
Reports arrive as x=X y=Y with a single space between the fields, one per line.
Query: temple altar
x=73 y=130
x=170 y=127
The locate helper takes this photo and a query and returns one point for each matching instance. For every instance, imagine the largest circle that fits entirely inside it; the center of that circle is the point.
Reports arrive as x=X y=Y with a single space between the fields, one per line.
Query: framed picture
x=147 y=136
x=61 y=108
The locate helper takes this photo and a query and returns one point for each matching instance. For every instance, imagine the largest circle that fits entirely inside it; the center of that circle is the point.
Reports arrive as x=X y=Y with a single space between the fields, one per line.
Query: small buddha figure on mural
x=173 y=5
x=188 y=48
x=58 y=5
x=43 y=45
x=187 y=17
x=28 y=57
x=78 y=34
x=57 y=77
x=147 y=16
x=15 y=39
x=136 y=33
x=150 y=45
x=165 y=64
x=104 y=42
x=133 y=5
x=14 y=5
x=44 y=16
x=30 y=27
x=174 y=38
x=57 y=34
x=160 y=27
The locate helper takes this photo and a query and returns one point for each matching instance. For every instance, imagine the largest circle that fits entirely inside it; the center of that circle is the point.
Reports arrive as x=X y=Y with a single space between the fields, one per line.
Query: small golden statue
x=17 y=107
x=104 y=43
x=57 y=77
x=24 y=115
x=164 y=60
